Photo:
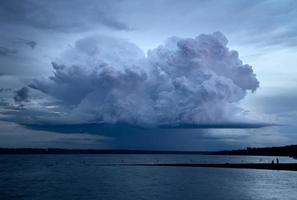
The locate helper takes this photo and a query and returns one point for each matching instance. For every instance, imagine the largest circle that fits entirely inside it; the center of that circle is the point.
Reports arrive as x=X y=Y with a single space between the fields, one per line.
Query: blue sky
x=124 y=37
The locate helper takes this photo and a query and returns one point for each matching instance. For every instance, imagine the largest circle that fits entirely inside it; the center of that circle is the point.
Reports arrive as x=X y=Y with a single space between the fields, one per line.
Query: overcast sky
x=159 y=74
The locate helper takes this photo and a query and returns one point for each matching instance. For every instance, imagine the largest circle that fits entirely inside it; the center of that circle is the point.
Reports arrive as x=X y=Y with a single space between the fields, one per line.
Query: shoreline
x=265 y=166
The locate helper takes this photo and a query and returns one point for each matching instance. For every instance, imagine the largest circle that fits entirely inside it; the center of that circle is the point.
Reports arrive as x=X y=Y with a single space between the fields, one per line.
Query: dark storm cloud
x=61 y=15
x=4 y=51
x=239 y=125
x=21 y=95
x=14 y=135
x=32 y=44
x=5 y=89
x=127 y=136
x=114 y=129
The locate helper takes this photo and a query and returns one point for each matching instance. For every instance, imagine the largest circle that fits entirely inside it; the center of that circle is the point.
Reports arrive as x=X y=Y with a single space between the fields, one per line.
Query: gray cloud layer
x=59 y=15
x=21 y=95
x=4 y=51
x=263 y=22
x=32 y=44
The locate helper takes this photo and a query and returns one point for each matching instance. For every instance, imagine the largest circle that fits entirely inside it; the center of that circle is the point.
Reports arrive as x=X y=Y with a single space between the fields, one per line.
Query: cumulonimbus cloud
x=184 y=81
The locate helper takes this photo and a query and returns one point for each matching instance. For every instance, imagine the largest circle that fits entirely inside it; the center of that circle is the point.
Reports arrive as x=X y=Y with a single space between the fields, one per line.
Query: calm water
x=81 y=177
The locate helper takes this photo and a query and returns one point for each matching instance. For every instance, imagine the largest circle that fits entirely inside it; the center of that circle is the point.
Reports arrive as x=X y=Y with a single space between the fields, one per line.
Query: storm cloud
x=184 y=81
x=106 y=85
x=4 y=51
x=30 y=43
x=21 y=95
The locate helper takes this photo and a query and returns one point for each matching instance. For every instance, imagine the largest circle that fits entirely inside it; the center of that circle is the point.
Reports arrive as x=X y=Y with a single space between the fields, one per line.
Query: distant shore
x=273 y=151
x=266 y=166
x=288 y=151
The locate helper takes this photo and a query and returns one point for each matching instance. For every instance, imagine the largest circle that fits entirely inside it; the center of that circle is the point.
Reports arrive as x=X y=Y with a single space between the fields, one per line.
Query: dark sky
x=194 y=75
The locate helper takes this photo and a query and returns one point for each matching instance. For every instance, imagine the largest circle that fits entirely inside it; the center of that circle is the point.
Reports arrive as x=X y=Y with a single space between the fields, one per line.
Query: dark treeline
x=267 y=151
x=90 y=151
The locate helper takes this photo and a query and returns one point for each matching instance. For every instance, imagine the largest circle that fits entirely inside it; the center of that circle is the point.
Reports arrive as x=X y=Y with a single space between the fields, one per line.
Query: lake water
x=62 y=177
